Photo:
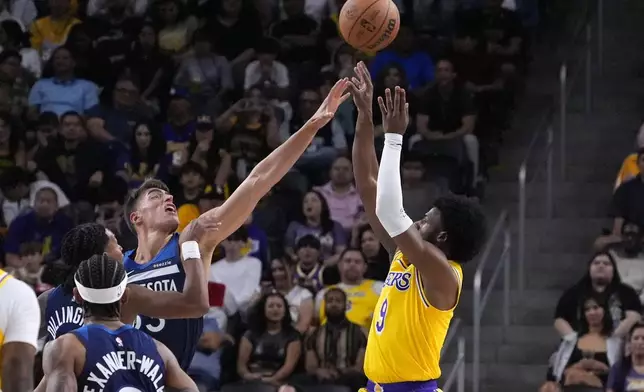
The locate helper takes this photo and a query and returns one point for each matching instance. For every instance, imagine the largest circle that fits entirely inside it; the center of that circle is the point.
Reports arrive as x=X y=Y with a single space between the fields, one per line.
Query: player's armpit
x=175 y=377
x=440 y=279
x=59 y=364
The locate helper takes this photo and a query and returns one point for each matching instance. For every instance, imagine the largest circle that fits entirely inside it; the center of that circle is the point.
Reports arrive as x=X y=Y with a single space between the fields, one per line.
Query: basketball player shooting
x=423 y=286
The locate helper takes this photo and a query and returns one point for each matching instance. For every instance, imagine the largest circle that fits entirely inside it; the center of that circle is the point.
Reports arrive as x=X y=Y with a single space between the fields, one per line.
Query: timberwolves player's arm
x=236 y=209
x=175 y=377
x=192 y=302
x=19 y=323
x=441 y=280
x=63 y=358
x=365 y=163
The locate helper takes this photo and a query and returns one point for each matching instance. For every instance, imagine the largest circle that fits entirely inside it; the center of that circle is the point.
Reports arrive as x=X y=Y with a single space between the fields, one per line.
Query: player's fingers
x=403 y=99
x=355 y=81
x=397 y=101
x=383 y=108
x=407 y=111
x=388 y=100
x=344 y=98
x=353 y=87
x=365 y=71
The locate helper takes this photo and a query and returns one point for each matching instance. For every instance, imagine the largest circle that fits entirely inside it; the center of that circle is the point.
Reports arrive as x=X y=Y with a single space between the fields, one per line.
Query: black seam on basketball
x=384 y=25
x=358 y=19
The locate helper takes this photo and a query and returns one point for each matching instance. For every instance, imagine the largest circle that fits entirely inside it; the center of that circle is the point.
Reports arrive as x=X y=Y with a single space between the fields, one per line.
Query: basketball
x=369 y=25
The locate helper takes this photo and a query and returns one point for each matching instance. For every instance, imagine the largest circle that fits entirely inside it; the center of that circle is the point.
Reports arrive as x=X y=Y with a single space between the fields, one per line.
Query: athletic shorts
x=410 y=386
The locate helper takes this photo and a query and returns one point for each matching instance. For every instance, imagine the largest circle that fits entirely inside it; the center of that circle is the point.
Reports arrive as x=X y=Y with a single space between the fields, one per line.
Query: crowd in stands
x=599 y=318
x=98 y=95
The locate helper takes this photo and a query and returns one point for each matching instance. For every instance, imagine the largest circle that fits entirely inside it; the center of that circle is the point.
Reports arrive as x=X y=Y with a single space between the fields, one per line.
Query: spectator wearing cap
x=50 y=32
x=46 y=134
x=45 y=225
x=342 y=197
x=114 y=122
x=14 y=184
x=59 y=90
x=244 y=270
x=15 y=85
x=309 y=271
x=205 y=74
x=209 y=149
x=266 y=73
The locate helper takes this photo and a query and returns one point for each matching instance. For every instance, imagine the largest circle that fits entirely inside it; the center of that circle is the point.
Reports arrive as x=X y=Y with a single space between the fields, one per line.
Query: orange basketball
x=369 y=25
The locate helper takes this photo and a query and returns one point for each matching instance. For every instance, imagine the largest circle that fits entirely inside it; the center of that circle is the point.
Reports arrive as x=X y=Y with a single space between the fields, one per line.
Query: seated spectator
x=629 y=258
x=205 y=368
x=362 y=294
x=177 y=131
x=627 y=200
x=296 y=32
x=266 y=73
x=191 y=185
x=146 y=151
x=176 y=26
x=340 y=194
x=59 y=90
x=603 y=280
x=46 y=134
x=309 y=272
x=14 y=87
x=419 y=194
x=342 y=62
x=109 y=214
x=50 y=32
x=316 y=219
x=335 y=351
x=378 y=259
x=270 y=350
x=45 y=225
x=12 y=148
x=14 y=184
x=630 y=167
x=299 y=299
x=418 y=66
x=206 y=75
x=626 y=375
x=257 y=245
x=114 y=122
x=91 y=64
x=32 y=258
x=586 y=359
x=445 y=121
x=16 y=39
x=209 y=149
x=245 y=271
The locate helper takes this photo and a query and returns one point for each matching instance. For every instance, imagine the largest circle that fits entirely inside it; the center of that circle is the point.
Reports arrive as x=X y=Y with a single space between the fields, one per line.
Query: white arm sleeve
x=389 y=201
x=23 y=320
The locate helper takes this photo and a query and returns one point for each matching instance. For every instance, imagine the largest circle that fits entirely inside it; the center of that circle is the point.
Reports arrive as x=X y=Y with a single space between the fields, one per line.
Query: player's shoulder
x=17 y=291
x=65 y=344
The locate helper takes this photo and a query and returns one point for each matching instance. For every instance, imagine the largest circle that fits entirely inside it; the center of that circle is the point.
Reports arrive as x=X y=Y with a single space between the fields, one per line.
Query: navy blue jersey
x=62 y=314
x=165 y=273
x=125 y=359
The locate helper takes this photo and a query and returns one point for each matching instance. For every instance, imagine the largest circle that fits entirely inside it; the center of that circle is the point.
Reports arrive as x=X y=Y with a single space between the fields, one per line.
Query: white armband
x=389 y=200
x=190 y=250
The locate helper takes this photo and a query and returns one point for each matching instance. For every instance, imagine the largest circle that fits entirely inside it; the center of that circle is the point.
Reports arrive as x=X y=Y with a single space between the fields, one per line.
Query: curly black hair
x=101 y=272
x=80 y=243
x=257 y=317
x=465 y=224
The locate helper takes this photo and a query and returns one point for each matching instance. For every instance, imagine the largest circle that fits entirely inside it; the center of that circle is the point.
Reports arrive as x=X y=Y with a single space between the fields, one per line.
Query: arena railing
x=457 y=373
x=500 y=236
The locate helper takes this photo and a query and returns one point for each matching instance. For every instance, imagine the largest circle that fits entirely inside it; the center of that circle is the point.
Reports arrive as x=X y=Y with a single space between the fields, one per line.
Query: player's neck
x=110 y=323
x=150 y=244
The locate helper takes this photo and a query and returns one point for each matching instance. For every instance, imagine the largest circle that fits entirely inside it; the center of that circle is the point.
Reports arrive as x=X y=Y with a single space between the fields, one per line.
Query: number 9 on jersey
x=382 y=313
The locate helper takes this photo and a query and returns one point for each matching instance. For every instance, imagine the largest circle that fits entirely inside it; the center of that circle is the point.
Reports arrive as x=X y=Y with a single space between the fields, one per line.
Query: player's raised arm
x=175 y=377
x=270 y=170
x=365 y=162
x=442 y=282
x=59 y=364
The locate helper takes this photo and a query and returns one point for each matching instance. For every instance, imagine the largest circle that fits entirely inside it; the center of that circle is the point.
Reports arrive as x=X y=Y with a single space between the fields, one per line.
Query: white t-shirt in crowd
x=294 y=298
x=241 y=278
x=253 y=74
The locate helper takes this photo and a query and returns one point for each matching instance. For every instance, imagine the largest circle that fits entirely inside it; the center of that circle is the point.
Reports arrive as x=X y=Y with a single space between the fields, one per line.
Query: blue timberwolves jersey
x=62 y=314
x=119 y=360
x=165 y=273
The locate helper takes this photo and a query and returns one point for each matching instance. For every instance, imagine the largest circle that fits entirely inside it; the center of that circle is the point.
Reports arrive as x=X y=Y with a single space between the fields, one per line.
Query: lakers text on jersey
x=407 y=333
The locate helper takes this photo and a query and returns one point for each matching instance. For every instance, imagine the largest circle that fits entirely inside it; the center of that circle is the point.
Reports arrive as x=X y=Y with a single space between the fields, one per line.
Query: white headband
x=102 y=296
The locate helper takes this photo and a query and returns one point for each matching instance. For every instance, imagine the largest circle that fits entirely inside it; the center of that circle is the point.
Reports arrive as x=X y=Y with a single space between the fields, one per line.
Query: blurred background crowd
x=96 y=96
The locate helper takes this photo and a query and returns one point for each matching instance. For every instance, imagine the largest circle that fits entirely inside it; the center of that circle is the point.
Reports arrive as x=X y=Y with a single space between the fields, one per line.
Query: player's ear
x=77 y=298
x=135 y=217
x=442 y=236
x=125 y=297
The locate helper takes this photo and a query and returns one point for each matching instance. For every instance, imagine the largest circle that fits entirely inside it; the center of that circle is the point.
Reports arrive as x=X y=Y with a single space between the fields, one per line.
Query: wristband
x=190 y=250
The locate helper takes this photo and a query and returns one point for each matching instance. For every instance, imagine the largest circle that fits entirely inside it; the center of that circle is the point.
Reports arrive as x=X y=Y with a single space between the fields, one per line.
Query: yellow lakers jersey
x=361 y=301
x=407 y=333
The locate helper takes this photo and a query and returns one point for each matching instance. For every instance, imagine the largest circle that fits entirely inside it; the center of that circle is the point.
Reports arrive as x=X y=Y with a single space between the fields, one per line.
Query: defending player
x=106 y=354
x=61 y=314
x=19 y=319
x=422 y=289
x=151 y=213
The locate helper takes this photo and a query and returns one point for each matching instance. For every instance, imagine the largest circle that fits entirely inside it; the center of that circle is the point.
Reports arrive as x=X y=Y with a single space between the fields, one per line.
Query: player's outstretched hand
x=361 y=88
x=395 y=112
x=330 y=105
x=196 y=229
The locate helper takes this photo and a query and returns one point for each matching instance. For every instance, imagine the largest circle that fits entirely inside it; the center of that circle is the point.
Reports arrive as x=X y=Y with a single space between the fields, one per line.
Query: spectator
x=60 y=91
x=205 y=368
x=145 y=153
x=335 y=351
x=21 y=12
x=177 y=132
x=191 y=185
x=14 y=84
x=316 y=220
x=629 y=258
x=342 y=62
x=270 y=350
x=625 y=375
x=340 y=194
x=176 y=26
x=362 y=294
x=309 y=272
x=266 y=73
x=91 y=64
x=244 y=271
x=31 y=273
x=210 y=151
x=299 y=299
x=630 y=167
x=45 y=225
x=297 y=34
x=257 y=245
x=377 y=257
x=46 y=134
x=627 y=200
x=12 y=149
x=419 y=194
x=586 y=359
x=50 y=32
x=14 y=184
x=206 y=75
x=16 y=39
x=603 y=280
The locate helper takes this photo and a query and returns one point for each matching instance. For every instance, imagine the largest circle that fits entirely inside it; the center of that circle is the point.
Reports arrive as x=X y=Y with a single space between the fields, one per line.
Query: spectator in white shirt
x=241 y=274
x=14 y=184
x=267 y=73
